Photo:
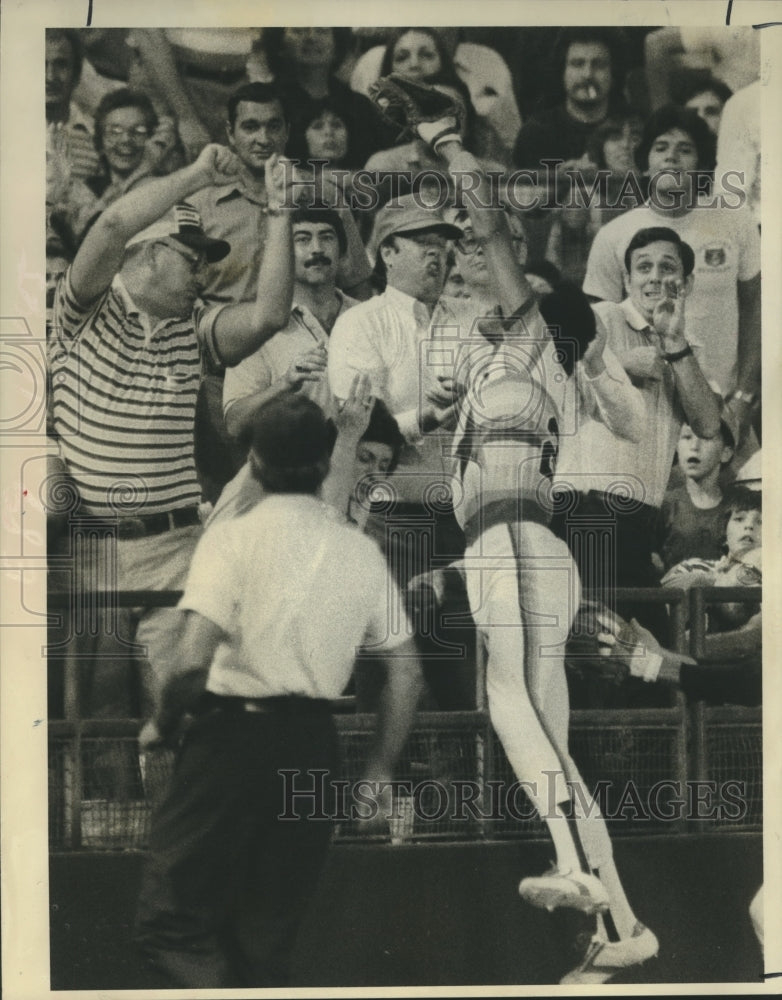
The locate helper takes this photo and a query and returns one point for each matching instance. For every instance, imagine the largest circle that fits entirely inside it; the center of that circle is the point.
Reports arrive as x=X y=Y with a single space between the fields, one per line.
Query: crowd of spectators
x=644 y=125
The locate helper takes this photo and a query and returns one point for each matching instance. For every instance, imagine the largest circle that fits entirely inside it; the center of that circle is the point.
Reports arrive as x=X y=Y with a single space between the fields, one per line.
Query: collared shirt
x=403 y=349
x=726 y=245
x=595 y=458
x=272 y=360
x=297 y=592
x=123 y=401
x=234 y=213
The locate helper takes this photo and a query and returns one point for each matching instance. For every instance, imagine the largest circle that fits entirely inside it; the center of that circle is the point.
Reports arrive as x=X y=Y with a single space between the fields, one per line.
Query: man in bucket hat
x=125 y=367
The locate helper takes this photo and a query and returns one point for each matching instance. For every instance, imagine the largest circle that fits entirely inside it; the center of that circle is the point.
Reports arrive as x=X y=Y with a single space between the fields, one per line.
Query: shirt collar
x=634 y=318
x=407 y=304
x=236 y=189
x=130 y=307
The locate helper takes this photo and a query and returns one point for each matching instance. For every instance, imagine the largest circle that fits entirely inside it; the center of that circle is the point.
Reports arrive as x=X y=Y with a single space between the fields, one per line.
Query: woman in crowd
x=303 y=62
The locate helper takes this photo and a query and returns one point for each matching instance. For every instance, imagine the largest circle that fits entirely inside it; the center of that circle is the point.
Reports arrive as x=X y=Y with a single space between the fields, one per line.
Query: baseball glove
x=589 y=655
x=416 y=110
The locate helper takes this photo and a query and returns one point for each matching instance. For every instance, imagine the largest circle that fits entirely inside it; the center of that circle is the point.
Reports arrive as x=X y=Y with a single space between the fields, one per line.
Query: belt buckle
x=130 y=527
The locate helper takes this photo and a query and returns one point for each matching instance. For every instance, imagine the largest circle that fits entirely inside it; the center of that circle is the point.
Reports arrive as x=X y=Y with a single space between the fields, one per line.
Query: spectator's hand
x=668 y=316
x=643 y=363
x=354 y=412
x=217 y=164
x=594 y=364
x=743 y=413
x=307 y=367
x=194 y=138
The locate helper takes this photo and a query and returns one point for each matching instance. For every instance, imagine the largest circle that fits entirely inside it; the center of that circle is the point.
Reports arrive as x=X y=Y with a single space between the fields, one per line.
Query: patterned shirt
x=123 y=396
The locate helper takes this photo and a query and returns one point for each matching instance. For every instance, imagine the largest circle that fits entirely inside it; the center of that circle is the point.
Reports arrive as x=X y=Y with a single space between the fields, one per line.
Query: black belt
x=274 y=704
x=156 y=524
x=228 y=77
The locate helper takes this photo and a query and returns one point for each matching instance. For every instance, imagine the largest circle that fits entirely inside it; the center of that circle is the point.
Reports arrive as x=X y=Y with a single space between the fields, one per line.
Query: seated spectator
x=590 y=67
x=731 y=54
x=366 y=449
x=189 y=74
x=612 y=147
x=68 y=129
x=708 y=98
x=124 y=125
x=730 y=668
x=303 y=62
x=295 y=357
x=693 y=514
x=723 y=311
x=572 y=229
x=422 y=53
x=612 y=490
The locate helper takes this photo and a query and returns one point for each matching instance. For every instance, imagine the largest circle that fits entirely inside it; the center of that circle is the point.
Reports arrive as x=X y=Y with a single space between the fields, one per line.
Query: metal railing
x=453 y=781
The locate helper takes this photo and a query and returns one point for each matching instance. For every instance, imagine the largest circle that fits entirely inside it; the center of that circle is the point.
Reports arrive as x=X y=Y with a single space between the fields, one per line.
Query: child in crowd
x=694 y=511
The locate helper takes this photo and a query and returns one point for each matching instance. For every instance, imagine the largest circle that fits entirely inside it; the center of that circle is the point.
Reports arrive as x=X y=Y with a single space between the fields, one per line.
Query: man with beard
x=295 y=358
x=590 y=79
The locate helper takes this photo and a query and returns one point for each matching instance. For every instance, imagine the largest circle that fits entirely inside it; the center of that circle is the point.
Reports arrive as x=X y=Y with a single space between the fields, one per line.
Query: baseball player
x=522 y=583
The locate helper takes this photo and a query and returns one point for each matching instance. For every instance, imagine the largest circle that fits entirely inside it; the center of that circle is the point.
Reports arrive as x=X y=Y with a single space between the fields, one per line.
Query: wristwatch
x=678 y=355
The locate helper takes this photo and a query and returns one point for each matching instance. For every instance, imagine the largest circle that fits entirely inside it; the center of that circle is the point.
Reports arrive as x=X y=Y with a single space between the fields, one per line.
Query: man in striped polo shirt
x=125 y=365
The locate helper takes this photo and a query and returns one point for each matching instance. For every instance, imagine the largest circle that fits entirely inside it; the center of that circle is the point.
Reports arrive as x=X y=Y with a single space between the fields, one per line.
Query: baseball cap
x=407 y=215
x=183 y=224
x=291 y=431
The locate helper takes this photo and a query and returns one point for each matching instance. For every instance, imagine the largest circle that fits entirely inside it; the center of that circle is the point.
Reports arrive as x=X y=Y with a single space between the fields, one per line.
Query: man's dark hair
x=323 y=217
x=687 y=120
x=272 y=44
x=568 y=312
x=384 y=429
x=661 y=234
x=123 y=98
x=614 y=39
x=256 y=93
x=291 y=443
x=740 y=498
x=71 y=36
x=703 y=85
x=446 y=62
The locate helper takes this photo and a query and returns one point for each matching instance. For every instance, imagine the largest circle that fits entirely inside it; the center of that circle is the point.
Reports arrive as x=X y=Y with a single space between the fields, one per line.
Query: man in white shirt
x=277 y=603
x=614 y=485
x=723 y=310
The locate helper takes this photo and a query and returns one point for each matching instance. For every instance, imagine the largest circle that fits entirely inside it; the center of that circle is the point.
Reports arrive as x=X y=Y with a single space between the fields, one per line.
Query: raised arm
x=700 y=404
x=240 y=329
x=100 y=255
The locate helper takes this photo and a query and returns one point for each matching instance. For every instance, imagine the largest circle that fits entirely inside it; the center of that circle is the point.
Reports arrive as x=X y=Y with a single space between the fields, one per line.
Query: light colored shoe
x=576 y=890
x=604 y=959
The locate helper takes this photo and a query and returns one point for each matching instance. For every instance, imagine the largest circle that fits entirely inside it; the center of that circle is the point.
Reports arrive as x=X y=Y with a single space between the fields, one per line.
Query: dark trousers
x=227 y=881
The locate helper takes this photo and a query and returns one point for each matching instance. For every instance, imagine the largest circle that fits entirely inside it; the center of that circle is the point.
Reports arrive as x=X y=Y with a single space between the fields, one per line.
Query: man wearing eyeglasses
x=125 y=367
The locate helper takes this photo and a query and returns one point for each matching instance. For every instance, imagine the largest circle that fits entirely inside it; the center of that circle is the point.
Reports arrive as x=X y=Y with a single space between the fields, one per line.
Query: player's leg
x=621 y=940
x=495 y=602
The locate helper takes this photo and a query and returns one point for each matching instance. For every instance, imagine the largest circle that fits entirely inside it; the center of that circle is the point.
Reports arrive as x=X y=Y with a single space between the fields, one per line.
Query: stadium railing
x=666 y=770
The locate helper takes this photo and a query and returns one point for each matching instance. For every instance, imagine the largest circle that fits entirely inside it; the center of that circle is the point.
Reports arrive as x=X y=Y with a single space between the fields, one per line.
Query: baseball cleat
x=604 y=959
x=576 y=890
